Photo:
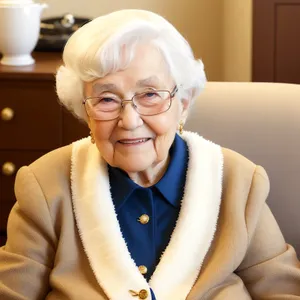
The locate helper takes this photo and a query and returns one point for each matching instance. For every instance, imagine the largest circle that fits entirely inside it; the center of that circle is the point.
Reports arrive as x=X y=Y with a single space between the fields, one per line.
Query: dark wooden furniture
x=32 y=122
x=276 y=41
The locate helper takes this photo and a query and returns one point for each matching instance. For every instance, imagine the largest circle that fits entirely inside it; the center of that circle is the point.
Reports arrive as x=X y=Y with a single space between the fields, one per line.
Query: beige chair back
x=262 y=122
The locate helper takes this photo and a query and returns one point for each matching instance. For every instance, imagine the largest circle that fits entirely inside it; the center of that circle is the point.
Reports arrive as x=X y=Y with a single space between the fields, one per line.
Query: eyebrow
x=110 y=87
x=152 y=81
x=106 y=87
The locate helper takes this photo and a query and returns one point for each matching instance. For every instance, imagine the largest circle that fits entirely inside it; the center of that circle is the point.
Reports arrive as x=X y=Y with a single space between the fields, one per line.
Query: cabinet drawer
x=37 y=116
x=7 y=198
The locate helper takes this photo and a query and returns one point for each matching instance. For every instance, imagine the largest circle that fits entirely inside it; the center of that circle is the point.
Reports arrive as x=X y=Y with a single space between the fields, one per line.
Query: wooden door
x=276 y=41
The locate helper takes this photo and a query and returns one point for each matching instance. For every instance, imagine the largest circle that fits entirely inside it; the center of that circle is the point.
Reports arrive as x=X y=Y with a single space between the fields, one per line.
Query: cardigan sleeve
x=27 y=258
x=270 y=269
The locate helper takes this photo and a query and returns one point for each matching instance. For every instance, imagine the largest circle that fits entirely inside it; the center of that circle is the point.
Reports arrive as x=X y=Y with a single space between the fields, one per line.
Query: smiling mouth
x=134 y=141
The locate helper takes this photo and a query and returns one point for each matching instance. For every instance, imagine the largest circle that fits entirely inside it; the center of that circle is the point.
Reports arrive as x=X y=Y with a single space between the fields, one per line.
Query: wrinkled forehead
x=99 y=87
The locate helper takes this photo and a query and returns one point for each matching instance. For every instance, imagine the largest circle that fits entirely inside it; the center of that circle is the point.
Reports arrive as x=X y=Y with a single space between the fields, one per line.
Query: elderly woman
x=141 y=209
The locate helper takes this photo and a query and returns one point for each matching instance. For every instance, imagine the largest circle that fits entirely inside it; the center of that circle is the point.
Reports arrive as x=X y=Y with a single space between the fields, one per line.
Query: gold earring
x=181 y=127
x=92 y=138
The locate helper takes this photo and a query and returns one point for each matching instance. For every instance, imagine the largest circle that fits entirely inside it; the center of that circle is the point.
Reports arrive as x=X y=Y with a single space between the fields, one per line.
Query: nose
x=129 y=118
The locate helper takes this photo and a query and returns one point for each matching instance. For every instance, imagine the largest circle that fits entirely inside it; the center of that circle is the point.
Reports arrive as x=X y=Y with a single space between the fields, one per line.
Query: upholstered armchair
x=262 y=122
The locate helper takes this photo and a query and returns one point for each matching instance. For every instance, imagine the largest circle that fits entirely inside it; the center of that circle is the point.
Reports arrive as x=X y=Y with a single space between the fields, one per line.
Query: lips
x=133 y=141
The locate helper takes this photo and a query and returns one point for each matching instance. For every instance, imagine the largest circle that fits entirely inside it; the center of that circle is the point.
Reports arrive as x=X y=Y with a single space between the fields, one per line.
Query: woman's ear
x=185 y=104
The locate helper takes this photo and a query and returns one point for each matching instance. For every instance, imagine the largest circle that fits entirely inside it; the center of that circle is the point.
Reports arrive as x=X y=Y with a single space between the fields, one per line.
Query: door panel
x=276 y=41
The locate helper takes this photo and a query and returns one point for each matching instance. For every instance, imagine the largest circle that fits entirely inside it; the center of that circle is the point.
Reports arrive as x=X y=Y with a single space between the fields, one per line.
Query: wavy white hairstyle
x=94 y=51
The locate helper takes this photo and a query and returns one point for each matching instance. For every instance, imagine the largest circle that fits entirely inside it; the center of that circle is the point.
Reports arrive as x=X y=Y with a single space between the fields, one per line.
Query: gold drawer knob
x=8 y=168
x=7 y=114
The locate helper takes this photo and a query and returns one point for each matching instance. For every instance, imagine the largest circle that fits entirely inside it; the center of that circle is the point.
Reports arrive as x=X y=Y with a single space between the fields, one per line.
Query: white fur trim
x=99 y=229
x=180 y=264
x=102 y=239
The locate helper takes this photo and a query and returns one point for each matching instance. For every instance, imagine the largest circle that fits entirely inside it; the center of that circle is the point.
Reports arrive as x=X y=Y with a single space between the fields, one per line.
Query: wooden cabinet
x=32 y=122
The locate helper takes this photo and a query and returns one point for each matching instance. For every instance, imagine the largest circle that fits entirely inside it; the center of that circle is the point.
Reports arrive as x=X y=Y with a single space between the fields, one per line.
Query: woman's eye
x=106 y=100
x=150 y=95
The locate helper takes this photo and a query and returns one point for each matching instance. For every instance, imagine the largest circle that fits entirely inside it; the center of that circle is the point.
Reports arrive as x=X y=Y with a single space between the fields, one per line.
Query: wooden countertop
x=46 y=64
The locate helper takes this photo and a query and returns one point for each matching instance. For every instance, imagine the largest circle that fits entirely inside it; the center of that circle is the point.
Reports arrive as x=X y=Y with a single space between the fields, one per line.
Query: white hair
x=94 y=51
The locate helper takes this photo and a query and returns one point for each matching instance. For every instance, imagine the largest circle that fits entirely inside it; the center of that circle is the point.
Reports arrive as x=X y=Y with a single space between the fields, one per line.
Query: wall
x=212 y=27
x=237 y=40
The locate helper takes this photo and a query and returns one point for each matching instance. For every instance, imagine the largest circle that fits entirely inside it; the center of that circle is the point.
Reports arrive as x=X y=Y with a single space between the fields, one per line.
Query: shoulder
x=235 y=167
x=245 y=186
x=57 y=161
x=240 y=168
x=39 y=185
x=53 y=170
x=48 y=173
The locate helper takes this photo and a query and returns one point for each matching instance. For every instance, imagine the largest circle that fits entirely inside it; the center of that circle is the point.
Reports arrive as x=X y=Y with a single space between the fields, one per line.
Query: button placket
x=144 y=252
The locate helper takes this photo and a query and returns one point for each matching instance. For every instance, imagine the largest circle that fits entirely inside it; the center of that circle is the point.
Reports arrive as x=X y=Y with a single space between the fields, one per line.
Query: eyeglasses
x=148 y=103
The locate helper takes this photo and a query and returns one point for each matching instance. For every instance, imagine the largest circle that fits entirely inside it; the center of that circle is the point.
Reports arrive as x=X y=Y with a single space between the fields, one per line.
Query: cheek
x=167 y=123
x=164 y=127
x=102 y=133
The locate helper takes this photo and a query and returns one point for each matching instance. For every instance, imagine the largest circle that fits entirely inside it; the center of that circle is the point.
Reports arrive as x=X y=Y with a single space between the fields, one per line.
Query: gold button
x=144 y=219
x=143 y=294
x=143 y=269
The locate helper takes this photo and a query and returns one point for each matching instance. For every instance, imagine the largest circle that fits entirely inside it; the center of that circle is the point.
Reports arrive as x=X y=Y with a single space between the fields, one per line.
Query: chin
x=134 y=168
x=134 y=165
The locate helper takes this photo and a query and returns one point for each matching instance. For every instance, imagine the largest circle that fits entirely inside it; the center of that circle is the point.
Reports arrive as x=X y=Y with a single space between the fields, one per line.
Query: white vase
x=19 y=31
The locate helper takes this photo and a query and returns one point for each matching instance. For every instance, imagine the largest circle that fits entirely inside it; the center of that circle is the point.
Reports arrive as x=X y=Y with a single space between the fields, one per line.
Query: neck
x=150 y=176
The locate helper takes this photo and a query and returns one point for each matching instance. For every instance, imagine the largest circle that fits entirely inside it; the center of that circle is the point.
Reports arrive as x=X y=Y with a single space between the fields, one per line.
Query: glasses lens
x=103 y=108
x=152 y=102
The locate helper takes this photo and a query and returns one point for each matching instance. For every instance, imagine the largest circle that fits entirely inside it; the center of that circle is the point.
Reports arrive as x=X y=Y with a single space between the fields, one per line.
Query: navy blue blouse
x=159 y=205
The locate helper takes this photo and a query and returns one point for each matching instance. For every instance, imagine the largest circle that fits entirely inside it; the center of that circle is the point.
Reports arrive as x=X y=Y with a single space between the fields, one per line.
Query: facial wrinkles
x=98 y=88
x=152 y=81
x=143 y=72
x=143 y=178
x=161 y=142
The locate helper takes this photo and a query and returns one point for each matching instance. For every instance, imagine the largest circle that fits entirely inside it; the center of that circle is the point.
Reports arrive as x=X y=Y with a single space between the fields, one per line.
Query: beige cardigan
x=64 y=240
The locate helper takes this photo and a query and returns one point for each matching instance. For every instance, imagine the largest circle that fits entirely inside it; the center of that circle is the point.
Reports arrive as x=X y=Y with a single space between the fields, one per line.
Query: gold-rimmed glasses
x=147 y=103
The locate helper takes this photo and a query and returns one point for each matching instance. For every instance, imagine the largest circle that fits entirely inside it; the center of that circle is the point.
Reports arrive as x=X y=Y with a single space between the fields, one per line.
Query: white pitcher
x=19 y=30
